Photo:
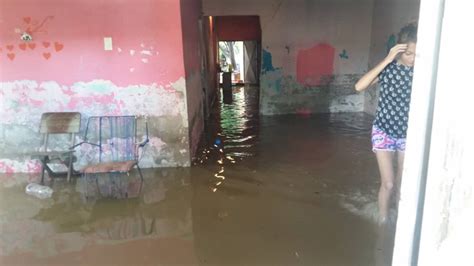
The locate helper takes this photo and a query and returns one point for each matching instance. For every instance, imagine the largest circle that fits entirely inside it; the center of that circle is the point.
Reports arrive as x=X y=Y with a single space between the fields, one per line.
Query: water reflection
x=109 y=185
x=282 y=190
x=103 y=212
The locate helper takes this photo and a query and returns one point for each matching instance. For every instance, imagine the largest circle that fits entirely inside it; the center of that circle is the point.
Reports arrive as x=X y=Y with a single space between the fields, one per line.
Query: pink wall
x=68 y=42
x=65 y=68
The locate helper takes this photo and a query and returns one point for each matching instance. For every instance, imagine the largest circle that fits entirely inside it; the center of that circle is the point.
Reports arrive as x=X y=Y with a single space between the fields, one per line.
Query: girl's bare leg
x=398 y=179
x=385 y=162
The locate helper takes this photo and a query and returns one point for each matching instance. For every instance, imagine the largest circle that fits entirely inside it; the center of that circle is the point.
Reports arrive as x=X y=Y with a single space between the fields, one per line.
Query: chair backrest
x=115 y=136
x=60 y=123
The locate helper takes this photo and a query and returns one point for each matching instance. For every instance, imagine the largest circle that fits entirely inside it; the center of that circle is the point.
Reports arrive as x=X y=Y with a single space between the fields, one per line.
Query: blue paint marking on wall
x=344 y=54
x=391 y=42
x=267 y=64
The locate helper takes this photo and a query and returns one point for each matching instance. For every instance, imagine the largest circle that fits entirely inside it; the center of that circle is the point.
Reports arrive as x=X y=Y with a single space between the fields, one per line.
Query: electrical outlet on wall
x=108 y=44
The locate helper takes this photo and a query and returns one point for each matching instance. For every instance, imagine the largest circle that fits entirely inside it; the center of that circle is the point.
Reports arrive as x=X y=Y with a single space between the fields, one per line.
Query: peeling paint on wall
x=75 y=45
x=23 y=102
x=69 y=69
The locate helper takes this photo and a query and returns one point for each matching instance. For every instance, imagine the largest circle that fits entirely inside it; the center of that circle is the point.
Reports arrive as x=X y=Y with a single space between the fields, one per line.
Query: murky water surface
x=285 y=190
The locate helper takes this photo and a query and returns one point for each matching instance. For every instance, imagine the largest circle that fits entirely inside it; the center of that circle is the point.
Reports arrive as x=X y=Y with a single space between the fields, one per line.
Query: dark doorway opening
x=238 y=49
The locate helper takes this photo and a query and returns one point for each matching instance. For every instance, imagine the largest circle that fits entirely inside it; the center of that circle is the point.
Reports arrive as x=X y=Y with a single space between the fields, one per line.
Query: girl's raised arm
x=371 y=77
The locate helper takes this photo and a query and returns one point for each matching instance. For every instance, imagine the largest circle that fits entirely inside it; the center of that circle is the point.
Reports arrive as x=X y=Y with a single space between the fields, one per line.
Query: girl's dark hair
x=408 y=33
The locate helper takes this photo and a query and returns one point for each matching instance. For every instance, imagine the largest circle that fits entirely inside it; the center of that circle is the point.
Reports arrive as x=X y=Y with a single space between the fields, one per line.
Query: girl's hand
x=399 y=48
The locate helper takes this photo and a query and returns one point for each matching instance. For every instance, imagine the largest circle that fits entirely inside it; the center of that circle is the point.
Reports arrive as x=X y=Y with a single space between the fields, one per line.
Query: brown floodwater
x=279 y=190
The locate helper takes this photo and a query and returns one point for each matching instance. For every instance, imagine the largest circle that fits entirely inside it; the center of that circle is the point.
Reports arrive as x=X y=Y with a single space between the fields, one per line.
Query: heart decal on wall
x=11 y=56
x=47 y=55
x=58 y=46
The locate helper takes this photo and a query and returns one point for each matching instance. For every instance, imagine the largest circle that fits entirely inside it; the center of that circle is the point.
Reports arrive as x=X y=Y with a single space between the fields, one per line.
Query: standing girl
x=395 y=74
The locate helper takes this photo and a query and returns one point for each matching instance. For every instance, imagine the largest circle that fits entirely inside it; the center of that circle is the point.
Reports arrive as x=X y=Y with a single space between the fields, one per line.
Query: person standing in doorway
x=394 y=74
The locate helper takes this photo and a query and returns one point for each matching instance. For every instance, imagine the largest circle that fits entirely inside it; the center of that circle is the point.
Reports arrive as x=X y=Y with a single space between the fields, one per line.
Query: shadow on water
x=281 y=190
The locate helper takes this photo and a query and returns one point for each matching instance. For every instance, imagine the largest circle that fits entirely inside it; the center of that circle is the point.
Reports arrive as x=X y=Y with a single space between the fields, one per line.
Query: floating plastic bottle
x=39 y=191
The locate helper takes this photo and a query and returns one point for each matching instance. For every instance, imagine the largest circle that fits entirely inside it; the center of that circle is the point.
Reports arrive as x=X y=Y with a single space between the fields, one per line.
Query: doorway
x=240 y=58
x=237 y=49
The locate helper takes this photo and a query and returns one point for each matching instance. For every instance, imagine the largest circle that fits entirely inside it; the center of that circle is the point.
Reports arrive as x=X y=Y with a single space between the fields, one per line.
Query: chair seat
x=123 y=167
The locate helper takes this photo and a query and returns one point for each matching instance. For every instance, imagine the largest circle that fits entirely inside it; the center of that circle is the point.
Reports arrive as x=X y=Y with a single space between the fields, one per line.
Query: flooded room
x=236 y=132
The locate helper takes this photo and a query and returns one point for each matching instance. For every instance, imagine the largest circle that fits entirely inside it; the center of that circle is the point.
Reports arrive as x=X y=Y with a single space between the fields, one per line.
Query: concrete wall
x=313 y=51
x=190 y=19
x=389 y=16
x=210 y=61
x=65 y=68
x=437 y=190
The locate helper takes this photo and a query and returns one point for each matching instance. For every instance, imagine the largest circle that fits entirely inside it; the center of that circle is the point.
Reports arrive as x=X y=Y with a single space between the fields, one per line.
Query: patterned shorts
x=383 y=142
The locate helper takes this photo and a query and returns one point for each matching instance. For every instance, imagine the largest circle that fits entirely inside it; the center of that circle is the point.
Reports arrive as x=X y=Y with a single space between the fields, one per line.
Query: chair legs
x=69 y=169
x=44 y=167
x=141 y=177
x=68 y=162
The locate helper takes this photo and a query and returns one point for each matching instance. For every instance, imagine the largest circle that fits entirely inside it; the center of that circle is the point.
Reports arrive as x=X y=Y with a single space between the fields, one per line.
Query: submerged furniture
x=113 y=146
x=58 y=130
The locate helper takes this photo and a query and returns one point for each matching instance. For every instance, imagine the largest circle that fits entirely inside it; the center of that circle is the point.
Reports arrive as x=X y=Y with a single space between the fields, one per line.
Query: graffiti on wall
x=32 y=26
x=314 y=64
x=343 y=54
x=267 y=64
x=28 y=40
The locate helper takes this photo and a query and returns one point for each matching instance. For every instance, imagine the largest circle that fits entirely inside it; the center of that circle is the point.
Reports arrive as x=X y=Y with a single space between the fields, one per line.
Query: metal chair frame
x=57 y=123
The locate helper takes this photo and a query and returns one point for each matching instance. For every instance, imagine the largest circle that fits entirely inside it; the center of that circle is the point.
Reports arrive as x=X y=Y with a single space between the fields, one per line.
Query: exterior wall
x=190 y=19
x=313 y=52
x=65 y=68
x=446 y=217
x=389 y=16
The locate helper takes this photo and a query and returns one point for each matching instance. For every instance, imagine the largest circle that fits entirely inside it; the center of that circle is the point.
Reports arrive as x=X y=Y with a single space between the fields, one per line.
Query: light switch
x=108 y=44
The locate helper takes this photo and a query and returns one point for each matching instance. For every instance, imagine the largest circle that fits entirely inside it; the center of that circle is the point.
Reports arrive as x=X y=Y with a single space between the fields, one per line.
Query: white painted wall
x=289 y=26
x=300 y=24
x=436 y=210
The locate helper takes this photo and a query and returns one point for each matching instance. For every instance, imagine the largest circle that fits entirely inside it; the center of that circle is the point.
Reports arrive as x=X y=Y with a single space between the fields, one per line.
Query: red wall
x=238 y=28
